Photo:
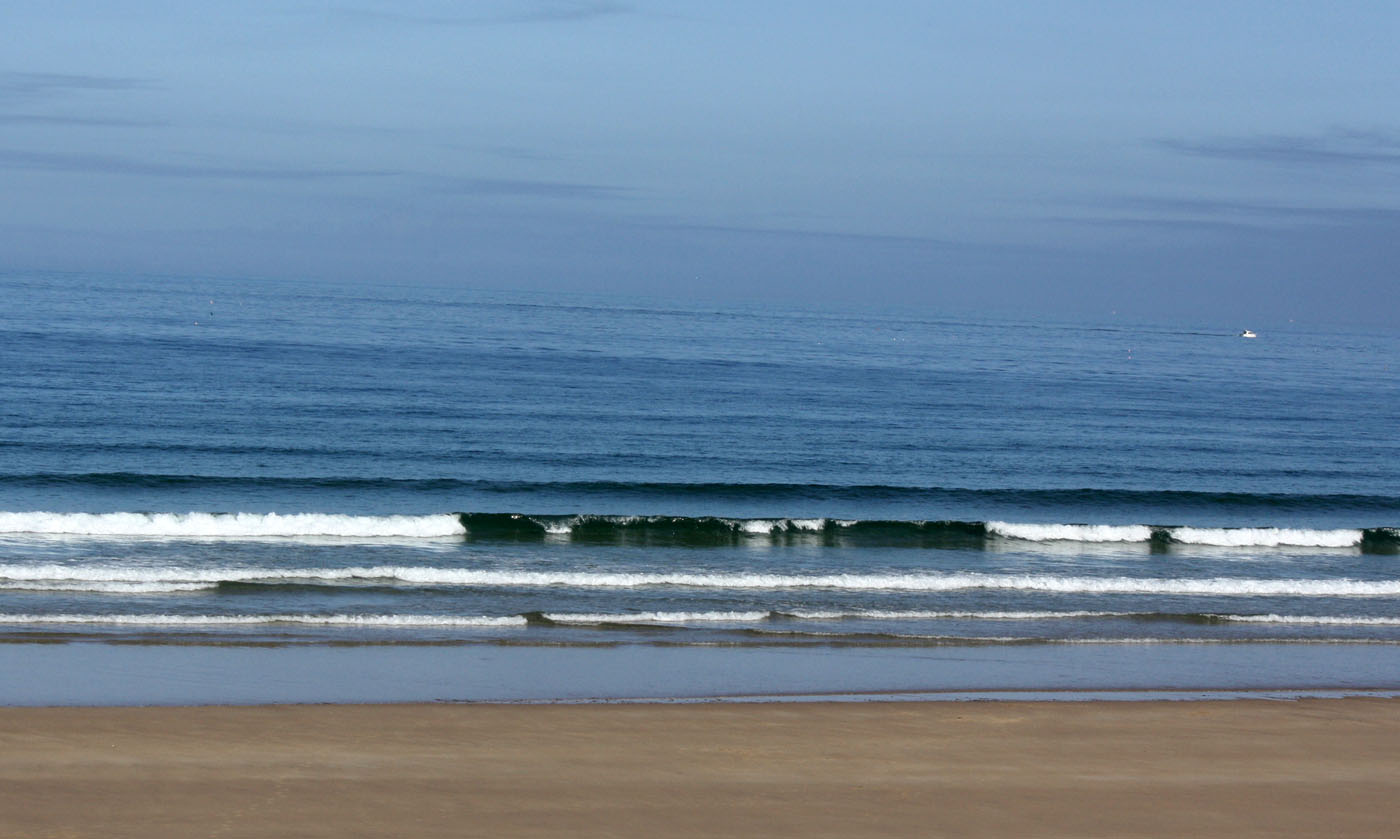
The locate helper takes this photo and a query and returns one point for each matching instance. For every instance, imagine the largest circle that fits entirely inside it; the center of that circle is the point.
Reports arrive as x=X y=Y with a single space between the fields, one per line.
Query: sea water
x=215 y=462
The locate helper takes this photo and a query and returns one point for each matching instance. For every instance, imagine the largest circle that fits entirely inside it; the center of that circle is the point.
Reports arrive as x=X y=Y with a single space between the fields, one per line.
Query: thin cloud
x=46 y=119
x=570 y=11
x=112 y=165
x=1238 y=209
x=518 y=153
x=1149 y=223
x=1143 y=212
x=798 y=233
x=28 y=85
x=97 y=164
x=816 y=235
x=526 y=188
x=565 y=11
x=1341 y=147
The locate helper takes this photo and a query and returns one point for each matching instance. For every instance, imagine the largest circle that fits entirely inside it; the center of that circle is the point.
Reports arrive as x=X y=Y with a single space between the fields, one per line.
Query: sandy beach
x=1233 y=768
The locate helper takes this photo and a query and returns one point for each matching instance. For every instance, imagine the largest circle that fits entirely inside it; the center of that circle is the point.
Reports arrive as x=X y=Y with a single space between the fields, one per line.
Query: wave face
x=717 y=530
x=950 y=534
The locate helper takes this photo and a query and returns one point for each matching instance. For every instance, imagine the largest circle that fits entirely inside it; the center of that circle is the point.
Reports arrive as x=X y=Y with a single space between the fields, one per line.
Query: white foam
x=1071 y=532
x=1265 y=537
x=228 y=525
x=1342 y=620
x=197 y=525
x=758 y=527
x=433 y=576
x=768 y=527
x=879 y=614
x=105 y=586
x=660 y=617
x=559 y=528
x=259 y=620
x=1221 y=641
x=1323 y=620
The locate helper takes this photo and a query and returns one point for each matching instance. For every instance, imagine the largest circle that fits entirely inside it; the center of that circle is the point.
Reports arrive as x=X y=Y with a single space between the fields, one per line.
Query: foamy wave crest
x=1327 y=620
x=757 y=526
x=927 y=615
x=1319 y=620
x=105 y=586
x=1235 y=537
x=658 y=617
x=882 y=615
x=431 y=576
x=768 y=527
x=1265 y=537
x=568 y=525
x=262 y=620
x=692 y=529
x=1070 y=532
x=229 y=525
x=923 y=615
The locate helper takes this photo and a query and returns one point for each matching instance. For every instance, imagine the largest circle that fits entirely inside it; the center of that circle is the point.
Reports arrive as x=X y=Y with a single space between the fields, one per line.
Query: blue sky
x=1209 y=160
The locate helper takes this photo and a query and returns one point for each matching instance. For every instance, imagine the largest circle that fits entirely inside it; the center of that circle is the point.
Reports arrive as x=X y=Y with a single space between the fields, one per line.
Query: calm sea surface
x=216 y=462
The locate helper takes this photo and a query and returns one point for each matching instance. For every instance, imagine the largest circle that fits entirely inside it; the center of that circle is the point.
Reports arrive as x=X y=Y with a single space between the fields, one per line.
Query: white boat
x=1248 y=334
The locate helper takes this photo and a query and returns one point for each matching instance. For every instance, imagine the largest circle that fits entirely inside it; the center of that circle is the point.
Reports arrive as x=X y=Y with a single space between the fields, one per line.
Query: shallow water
x=172 y=674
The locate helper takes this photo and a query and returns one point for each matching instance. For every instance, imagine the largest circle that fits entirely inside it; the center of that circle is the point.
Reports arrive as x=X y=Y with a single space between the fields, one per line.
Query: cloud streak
x=798 y=233
x=33 y=85
x=1204 y=214
x=527 y=188
x=561 y=11
x=1283 y=212
x=49 y=119
x=1336 y=148
x=97 y=164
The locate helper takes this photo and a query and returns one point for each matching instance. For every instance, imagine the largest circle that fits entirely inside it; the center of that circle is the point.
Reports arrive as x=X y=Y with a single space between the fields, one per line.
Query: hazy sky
x=1198 y=159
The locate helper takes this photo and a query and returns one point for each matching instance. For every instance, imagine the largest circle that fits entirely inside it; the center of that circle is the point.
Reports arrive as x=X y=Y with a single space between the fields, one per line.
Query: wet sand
x=1234 y=768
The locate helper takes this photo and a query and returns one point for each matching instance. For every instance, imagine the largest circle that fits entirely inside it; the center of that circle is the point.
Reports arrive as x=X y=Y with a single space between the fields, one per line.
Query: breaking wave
x=660 y=618
x=670 y=530
x=229 y=525
x=719 y=530
x=262 y=620
x=55 y=575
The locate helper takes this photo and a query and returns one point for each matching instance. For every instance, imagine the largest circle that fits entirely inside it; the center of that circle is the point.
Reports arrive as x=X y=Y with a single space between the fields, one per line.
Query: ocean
x=191 y=463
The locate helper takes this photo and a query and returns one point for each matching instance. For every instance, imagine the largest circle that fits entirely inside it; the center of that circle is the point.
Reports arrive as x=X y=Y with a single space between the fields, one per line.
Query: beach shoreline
x=110 y=674
x=1245 y=767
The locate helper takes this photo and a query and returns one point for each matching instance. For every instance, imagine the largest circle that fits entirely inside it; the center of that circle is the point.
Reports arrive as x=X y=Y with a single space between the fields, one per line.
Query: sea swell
x=784 y=494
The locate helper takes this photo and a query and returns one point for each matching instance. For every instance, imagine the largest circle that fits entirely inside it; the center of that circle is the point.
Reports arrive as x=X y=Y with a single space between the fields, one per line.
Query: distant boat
x=1248 y=334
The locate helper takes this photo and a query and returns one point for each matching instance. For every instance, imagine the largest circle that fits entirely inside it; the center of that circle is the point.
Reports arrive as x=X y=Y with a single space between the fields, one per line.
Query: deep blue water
x=684 y=474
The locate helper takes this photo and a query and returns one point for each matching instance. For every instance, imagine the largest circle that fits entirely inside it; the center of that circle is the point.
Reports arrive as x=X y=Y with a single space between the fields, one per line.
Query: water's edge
x=81 y=674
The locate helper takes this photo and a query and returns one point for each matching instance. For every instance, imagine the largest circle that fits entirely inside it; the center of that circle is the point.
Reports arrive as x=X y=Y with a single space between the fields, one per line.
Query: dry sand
x=1120 y=769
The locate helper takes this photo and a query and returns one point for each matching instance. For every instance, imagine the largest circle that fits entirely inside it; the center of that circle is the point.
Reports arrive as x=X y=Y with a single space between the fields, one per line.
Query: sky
x=1236 y=159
